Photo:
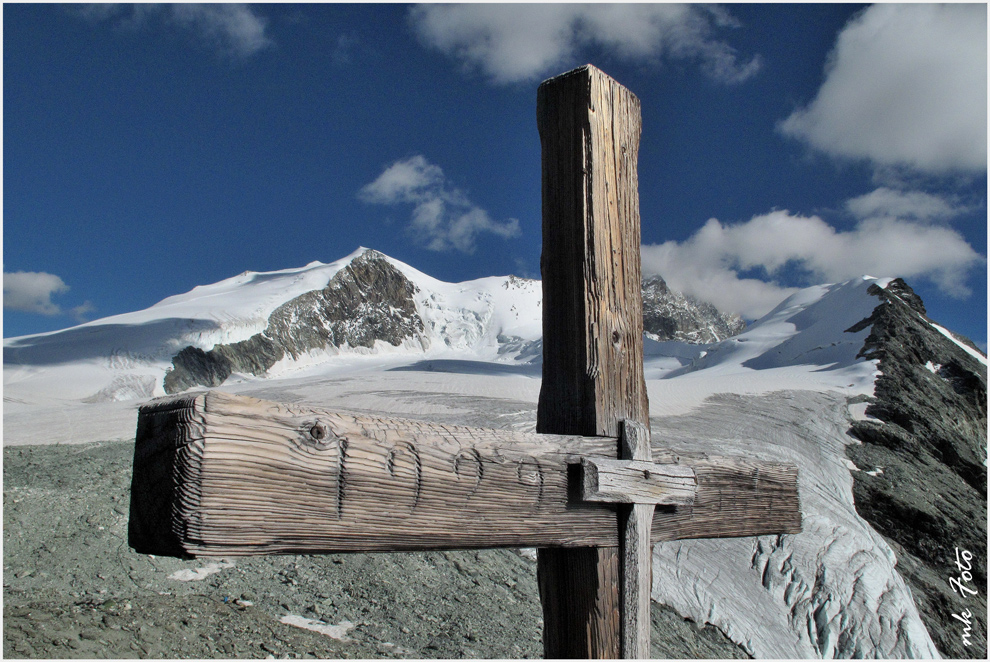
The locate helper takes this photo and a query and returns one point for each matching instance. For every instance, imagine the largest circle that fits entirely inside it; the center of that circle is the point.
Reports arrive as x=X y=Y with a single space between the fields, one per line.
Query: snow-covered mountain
x=267 y=325
x=274 y=323
x=374 y=304
x=882 y=409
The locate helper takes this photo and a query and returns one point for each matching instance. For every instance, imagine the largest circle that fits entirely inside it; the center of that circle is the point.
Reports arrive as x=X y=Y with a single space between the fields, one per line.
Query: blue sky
x=151 y=149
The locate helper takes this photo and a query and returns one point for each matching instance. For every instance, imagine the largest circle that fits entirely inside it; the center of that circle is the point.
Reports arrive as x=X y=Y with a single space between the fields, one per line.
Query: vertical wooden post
x=592 y=324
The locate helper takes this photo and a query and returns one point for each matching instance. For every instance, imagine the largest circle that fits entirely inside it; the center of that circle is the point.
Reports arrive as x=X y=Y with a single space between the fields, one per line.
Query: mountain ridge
x=921 y=473
x=257 y=324
x=229 y=329
x=371 y=300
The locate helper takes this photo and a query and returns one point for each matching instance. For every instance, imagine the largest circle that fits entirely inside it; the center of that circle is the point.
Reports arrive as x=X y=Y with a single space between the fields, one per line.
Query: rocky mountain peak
x=670 y=315
x=517 y=282
x=898 y=288
x=368 y=300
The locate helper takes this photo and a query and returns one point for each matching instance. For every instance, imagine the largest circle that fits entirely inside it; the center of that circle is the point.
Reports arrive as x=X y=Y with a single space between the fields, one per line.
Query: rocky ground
x=73 y=588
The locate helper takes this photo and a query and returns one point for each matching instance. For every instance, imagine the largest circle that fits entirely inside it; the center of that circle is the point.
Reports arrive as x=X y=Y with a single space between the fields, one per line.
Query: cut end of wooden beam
x=588 y=70
x=582 y=70
x=634 y=441
x=164 y=429
x=591 y=73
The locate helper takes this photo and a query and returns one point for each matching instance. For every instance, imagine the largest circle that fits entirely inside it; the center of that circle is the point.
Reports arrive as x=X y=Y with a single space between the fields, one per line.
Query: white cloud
x=916 y=205
x=690 y=269
x=31 y=292
x=708 y=264
x=443 y=217
x=906 y=85
x=512 y=43
x=411 y=180
x=343 y=50
x=233 y=29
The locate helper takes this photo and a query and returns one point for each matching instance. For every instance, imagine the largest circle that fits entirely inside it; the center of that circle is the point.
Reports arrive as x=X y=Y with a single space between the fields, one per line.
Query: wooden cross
x=223 y=475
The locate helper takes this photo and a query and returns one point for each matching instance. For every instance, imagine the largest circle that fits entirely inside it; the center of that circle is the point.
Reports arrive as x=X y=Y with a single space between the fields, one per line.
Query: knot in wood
x=319 y=435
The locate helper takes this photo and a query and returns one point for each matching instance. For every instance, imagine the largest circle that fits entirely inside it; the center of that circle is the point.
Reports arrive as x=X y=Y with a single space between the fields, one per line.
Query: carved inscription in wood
x=216 y=474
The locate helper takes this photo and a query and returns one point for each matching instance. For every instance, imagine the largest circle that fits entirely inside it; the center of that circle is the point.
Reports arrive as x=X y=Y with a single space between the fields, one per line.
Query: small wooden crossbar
x=627 y=481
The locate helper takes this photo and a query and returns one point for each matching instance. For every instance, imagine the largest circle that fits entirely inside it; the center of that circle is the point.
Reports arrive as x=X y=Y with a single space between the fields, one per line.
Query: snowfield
x=779 y=391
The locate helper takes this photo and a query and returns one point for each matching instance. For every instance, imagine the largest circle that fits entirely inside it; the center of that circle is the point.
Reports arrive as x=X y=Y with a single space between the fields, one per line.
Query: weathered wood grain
x=634 y=541
x=222 y=475
x=735 y=498
x=589 y=129
x=592 y=297
x=636 y=580
x=255 y=477
x=627 y=481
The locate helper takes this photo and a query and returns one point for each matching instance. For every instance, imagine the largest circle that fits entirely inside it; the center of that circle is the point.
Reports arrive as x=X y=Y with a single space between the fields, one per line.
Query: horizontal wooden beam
x=223 y=475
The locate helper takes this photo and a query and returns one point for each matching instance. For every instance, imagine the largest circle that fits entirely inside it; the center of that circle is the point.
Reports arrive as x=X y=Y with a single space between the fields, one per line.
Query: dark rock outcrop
x=194 y=367
x=366 y=301
x=922 y=479
x=670 y=315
